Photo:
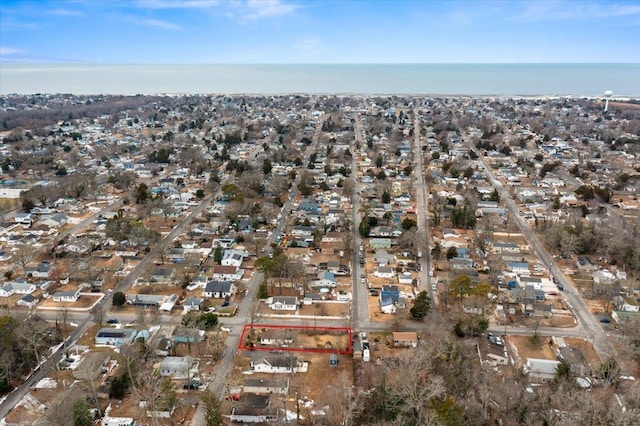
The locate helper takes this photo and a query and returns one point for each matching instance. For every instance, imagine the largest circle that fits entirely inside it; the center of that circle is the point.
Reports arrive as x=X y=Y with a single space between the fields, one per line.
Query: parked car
x=605 y=320
x=113 y=321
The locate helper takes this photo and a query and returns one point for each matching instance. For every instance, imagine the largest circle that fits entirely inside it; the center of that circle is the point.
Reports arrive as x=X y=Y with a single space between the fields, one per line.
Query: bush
x=119 y=299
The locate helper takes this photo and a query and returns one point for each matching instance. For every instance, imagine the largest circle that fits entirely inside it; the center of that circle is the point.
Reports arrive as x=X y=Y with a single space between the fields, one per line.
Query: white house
x=283 y=364
x=66 y=296
x=117 y=421
x=518 y=267
x=28 y=301
x=387 y=306
x=13 y=287
x=178 y=367
x=226 y=273
x=219 y=289
x=232 y=258
x=384 y=272
x=191 y=304
x=541 y=369
x=405 y=278
x=283 y=303
x=325 y=279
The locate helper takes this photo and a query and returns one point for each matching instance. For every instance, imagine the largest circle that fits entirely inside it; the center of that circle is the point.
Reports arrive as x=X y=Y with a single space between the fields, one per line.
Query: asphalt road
x=360 y=291
x=422 y=212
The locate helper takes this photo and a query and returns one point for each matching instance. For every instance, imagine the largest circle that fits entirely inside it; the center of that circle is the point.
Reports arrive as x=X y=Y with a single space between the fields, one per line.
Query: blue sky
x=306 y=31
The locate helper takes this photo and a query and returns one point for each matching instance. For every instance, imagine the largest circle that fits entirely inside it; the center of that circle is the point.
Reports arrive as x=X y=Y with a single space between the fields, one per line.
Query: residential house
x=252 y=408
x=541 y=369
x=518 y=267
x=23 y=218
x=454 y=241
x=162 y=302
x=585 y=264
x=219 y=289
x=66 y=296
x=186 y=335
x=621 y=304
x=28 y=301
x=283 y=303
x=491 y=354
x=499 y=247
x=177 y=367
x=191 y=304
x=283 y=364
x=275 y=337
x=404 y=339
x=233 y=257
x=55 y=221
x=226 y=273
x=163 y=275
x=383 y=258
x=387 y=306
x=390 y=292
x=384 y=272
x=226 y=243
x=325 y=279
x=380 y=243
x=276 y=385
x=117 y=421
x=16 y=287
x=93 y=365
x=114 y=337
x=40 y=271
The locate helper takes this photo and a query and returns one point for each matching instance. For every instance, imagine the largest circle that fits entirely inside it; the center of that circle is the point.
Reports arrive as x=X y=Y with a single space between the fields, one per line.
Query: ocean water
x=365 y=79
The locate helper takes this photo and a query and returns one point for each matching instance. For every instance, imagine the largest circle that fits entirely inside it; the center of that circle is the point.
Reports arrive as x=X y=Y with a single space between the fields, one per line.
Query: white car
x=227 y=329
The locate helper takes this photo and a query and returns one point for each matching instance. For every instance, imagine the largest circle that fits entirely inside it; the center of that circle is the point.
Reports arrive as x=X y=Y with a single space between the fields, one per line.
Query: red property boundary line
x=248 y=327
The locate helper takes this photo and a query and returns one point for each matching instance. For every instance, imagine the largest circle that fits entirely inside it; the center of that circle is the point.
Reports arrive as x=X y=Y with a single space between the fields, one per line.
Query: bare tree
x=98 y=313
x=33 y=333
x=22 y=255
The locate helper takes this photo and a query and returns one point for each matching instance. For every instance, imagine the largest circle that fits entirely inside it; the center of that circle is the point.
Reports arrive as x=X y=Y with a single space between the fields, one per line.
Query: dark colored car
x=605 y=320
x=113 y=321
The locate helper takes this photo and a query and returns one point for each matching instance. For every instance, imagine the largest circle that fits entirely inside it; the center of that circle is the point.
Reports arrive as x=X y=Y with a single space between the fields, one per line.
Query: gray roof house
x=178 y=367
x=218 y=289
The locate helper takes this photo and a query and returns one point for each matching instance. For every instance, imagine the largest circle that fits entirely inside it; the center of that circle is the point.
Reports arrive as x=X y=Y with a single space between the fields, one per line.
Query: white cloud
x=165 y=25
x=563 y=11
x=65 y=12
x=257 y=9
x=159 y=24
x=177 y=4
x=4 y=50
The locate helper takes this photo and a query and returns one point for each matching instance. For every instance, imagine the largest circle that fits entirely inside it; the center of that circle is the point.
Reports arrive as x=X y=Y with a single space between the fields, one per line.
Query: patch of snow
x=46 y=383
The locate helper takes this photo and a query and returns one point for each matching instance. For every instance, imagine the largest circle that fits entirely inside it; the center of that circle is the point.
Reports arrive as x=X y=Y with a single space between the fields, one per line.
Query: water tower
x=607 y=95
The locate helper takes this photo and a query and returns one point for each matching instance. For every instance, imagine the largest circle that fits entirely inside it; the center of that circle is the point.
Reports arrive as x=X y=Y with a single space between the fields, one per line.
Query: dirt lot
x=319 y=309
x=586 y=348
x=309 y=339
x=523 y=348
x=84 y=301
